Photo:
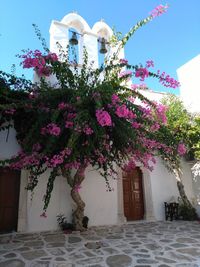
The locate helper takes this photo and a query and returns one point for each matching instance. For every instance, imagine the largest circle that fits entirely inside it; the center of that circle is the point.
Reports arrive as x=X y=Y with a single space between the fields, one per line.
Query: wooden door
x=9 y=199
x=133 y=195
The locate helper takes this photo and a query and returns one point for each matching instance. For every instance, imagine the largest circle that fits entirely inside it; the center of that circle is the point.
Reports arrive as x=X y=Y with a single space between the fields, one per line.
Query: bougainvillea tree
x=90 y=117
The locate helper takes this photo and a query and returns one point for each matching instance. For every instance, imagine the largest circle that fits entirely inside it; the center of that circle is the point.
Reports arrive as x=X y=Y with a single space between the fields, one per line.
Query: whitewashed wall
x=196 y=186
x=101 y=206
x=9 y=147
x=189 y=77
x=60 y=203
x=164 y=186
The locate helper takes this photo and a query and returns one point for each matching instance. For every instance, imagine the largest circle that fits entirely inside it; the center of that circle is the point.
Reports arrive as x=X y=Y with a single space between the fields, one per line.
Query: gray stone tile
x=55 y=244
x=187 y=265
x=186 y=240
x=165 y=260
x=190 y=251
x=74 y=239
x=12 y=263
x=121 y=260
x=155 y=244
x=178 y=245
x=40 y=264
x=33 y=255
x=89 y=261
x=10 y=255
x=56 y=251
x=147 y=261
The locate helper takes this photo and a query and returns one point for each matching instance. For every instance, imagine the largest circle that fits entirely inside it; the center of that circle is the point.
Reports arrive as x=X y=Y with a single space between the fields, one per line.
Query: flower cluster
x=181 y=149
x=103 y=117
x=35 y=59
x=52 y=129
x=167 y=81
x=142 y=73
x=159 y=10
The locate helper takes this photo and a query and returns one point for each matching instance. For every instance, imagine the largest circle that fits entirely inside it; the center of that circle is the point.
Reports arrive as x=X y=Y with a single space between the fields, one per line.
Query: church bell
x=73 y=40
x=103 y=49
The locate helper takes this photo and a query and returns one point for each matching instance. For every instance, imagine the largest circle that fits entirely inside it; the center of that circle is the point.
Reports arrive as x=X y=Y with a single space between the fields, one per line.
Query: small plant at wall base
x=64 y=225
x=92 y=118
x=186 y=211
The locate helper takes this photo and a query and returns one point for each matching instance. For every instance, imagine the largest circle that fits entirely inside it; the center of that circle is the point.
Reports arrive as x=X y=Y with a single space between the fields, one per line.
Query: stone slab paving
x=142 y=244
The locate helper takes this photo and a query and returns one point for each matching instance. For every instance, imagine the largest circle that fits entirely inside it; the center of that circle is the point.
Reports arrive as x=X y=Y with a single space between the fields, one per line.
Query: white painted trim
x=22 y=210
x=147 y=195
x=120 y=198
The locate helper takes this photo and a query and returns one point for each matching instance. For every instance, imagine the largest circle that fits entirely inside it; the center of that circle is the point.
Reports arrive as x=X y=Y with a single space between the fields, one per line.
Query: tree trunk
x=183 y=195
x=75 y=183
x=78 y=214
x=181 y=189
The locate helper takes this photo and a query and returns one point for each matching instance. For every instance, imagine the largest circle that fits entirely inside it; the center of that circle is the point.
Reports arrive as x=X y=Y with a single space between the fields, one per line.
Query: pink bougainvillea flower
x=69 y=124
x=43 y=215
x=122 y=111
x=181 y=149
x=125 y=74
x=167 y=81
x=149 y=63
x=155 y=127
x=56 y=160
x=161 y=113
x=51 y=129
x=77 y=187
x=62 y=106
x=159 y=10
x=139 y=86
x=115 y=99
x=123 y=61
x=46 y=71
x=87 y=130
x=142 y=73
x=52 y=56
x=129 y=166
x=103 y=117
x=10 y=111
x=135 y=125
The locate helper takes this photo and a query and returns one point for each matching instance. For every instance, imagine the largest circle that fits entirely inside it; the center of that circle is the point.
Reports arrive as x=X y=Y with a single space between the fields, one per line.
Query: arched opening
x=74 y=49
x=103 y=42
x=133 y=195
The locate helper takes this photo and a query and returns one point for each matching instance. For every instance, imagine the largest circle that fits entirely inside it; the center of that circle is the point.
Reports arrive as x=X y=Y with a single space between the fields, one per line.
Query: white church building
x=139 y=197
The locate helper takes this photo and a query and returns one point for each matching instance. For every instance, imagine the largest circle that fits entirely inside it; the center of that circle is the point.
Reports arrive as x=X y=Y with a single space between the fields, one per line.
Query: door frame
x=22 y=207
x=147 y=196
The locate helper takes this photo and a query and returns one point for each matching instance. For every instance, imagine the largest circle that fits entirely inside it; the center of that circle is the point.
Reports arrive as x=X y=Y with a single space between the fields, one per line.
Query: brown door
x=9 y=199
x=133 y=195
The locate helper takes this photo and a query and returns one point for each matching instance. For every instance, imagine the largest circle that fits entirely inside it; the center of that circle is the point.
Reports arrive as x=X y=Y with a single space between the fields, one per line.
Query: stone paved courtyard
x=144 y=244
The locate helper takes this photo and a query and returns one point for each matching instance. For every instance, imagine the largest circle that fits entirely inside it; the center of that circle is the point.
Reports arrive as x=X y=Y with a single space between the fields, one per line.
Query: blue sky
x=170 y=40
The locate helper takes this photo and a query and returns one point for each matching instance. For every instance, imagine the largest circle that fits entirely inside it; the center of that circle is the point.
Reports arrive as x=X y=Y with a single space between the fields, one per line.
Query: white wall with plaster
x=189 y=77
x=101 y=205
x=8 y=144
x=164 y=187
x=60 y=203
